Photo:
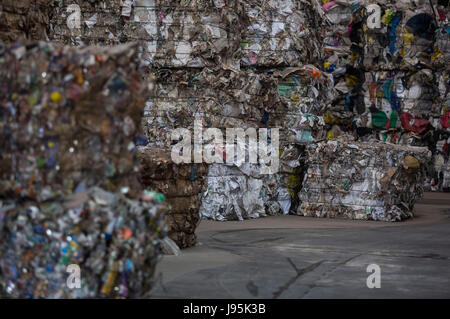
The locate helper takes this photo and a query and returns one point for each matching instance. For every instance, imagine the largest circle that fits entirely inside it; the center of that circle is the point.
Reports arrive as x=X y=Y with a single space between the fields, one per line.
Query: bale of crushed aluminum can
x=92 y=244
x=363 y=180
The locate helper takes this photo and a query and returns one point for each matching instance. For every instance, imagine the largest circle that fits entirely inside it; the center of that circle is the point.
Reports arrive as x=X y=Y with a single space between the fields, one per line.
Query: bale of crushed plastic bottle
x=70 y=118
x=74 y=222
x=92 y=244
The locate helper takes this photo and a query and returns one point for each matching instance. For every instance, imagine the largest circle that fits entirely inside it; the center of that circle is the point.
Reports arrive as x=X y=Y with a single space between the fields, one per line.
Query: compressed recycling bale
x=181 y=228
x=177 y=187
x=187 y=204
x=183 y=240
x=179 y=97
x=70 y=118
x=442 y=56
x=280 y=33
x=182 y=184
x=377 y=34
x=241 y=192
x=404 y=36
x=182 y=222
x=183 y=219
x=114 y=242
x=157 y=164
x=24 y=20
x=363 y=180
x=231 y=195
x=303 y=94
x=172 y=33
x=393 y=99
x=188 y=35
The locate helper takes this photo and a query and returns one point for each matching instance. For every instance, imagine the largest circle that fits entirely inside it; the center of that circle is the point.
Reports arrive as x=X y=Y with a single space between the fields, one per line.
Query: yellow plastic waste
x=329 y=118
x=407 y=37
x=351 y=81
x=56 y=97
x=330 y=135
x=385 y=18
x=411 y=162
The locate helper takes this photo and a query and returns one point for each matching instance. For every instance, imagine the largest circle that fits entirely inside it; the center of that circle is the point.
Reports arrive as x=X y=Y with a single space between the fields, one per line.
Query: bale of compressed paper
x=363 y=180
x=445 y=178
x=93 y=22
x=302 y=96
x=172 y=33
x=232 y=195
x=337 y=44
x=24 y=20
x=218 y=97
x=342 y=45
x=181 y=184
x=441 y=57
x=278 y=33
x=240 y=188
x=377 y=34
x=92 y=244
x=70 y=118
x=238 y=193
x=400 y=34
x=398 y=100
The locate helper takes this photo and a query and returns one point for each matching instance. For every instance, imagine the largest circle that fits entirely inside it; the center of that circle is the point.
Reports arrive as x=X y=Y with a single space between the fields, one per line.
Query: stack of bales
x=388 y=59
x=275 y=88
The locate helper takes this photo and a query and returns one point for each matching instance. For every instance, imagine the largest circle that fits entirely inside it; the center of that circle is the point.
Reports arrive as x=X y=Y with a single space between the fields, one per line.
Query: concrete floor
x=303 y=257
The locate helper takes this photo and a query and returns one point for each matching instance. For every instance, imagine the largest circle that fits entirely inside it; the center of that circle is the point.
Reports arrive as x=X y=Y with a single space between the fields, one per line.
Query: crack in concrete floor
x=299 y=273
